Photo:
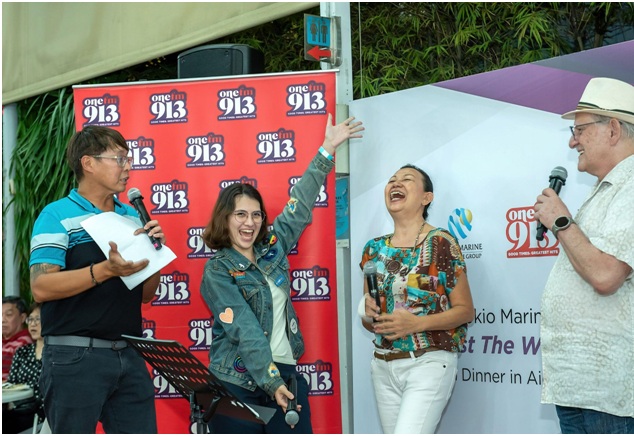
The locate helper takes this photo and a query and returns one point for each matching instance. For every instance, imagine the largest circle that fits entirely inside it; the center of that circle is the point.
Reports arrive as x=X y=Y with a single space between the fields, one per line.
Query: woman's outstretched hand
x=337 y=134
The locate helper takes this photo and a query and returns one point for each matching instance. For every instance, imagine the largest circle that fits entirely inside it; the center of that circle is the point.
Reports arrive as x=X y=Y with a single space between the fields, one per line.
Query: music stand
x=196 y=383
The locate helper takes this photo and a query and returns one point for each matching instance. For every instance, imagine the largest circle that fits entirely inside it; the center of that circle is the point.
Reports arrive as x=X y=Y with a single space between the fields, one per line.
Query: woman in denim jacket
x=256 y=337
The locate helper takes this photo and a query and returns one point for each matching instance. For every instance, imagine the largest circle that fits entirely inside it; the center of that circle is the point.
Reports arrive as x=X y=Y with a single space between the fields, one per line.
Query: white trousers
x=411 y=394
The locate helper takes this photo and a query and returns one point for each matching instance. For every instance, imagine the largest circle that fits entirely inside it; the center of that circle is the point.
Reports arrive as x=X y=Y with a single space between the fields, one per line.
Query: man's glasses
x=242 y=215
x=121 y=160
x=34 y=320
x=576 y=131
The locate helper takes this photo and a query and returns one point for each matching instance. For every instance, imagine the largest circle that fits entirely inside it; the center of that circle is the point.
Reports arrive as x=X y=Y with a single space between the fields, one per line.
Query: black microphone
x=292 y=417
x=557 y=179
x=369 y=269
x=136 y=200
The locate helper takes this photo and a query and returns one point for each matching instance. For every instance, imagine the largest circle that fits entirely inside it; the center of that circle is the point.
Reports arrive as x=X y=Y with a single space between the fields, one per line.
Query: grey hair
x=628 y=128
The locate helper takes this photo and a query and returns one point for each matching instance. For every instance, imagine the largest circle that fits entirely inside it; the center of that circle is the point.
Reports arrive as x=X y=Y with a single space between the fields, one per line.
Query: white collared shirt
x=588 y=339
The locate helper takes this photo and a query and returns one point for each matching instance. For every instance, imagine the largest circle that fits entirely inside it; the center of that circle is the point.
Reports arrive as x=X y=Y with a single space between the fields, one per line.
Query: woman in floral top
x=425 y=306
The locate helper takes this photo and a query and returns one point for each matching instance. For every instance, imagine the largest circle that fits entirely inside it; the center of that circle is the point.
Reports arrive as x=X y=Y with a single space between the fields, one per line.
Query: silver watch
x=562 y=223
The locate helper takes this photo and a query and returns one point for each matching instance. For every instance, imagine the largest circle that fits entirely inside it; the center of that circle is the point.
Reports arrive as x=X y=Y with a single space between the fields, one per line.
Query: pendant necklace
x=413 y=252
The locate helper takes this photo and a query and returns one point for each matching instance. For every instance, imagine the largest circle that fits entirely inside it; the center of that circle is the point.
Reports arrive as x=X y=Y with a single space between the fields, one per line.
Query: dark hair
x=34 y=306
x=19 y=303
x=91 y=140
x=428 y=186
x=216 y=234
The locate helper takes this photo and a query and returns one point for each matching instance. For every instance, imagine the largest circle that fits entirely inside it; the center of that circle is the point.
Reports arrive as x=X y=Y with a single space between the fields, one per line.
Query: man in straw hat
x=587 y=329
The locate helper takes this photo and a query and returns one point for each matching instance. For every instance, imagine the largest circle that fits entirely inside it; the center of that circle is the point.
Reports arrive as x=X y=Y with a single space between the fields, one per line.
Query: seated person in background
x=14 y=335
x=26 y=369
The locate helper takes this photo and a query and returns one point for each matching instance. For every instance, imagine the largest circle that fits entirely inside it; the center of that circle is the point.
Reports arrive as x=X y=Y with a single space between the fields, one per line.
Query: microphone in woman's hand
x=369 y=269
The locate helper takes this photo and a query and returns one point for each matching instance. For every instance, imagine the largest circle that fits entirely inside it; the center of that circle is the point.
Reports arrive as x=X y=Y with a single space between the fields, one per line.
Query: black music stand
x=196 y=383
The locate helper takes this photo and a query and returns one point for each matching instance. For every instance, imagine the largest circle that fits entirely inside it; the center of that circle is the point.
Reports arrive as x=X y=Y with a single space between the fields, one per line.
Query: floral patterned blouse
x=419 y=280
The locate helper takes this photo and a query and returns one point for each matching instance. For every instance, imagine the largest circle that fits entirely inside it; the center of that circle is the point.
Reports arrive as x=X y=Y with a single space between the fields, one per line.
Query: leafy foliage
x=395 y=46
x=46 y=123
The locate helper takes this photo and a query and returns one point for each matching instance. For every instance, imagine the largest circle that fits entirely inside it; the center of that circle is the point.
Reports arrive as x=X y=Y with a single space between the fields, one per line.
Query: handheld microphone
x=557 y=179
x=292 y=417
x=136 y=200
x=369 y=269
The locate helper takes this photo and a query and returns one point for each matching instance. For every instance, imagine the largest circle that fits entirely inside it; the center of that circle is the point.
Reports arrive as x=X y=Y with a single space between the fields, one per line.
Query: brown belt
x=388 y=357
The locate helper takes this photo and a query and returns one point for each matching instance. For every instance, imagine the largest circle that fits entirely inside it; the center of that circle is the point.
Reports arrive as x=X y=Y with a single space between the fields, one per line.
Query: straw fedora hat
x=608 y=97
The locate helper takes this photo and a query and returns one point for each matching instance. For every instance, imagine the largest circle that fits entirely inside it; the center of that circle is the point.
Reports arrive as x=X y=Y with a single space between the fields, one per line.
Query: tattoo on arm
x=42 y=268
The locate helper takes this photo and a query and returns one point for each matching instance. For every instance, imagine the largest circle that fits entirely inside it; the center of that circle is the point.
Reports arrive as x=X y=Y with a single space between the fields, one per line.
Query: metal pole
x=10 y=273
x=341 y=11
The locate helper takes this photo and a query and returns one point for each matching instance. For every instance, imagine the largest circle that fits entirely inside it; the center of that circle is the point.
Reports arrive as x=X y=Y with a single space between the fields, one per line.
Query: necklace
x=395 y=267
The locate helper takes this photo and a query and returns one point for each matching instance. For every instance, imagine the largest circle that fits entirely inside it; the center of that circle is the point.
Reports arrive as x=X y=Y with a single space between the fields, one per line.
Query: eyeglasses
x=576 y=131
x=34 y=320
x=121 y=160
x=242 y=215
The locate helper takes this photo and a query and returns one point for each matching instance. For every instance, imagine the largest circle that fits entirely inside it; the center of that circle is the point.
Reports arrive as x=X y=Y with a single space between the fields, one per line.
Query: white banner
x=488 y=161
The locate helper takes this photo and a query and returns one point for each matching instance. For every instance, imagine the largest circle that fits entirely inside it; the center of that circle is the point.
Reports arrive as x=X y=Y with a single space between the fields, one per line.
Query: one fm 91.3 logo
x=170 y=197
x=306 y=99
x=200 y=334
x=101 y=111
x=205 y=151
x=238 y=103
x=162 y=387
x=322 y=198
x=169 y=107
x=318 y=375
x=142 y=153
x=310 y=284
x=197 y=245
x=149 y=328
x=173 y=290
x=276 y=146
x=521 y=231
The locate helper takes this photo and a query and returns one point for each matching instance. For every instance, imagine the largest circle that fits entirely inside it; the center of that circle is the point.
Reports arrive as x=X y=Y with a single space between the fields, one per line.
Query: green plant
x=46 y=123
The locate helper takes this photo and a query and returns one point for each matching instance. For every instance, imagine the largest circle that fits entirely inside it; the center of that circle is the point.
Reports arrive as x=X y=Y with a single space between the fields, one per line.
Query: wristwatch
x=562 y=223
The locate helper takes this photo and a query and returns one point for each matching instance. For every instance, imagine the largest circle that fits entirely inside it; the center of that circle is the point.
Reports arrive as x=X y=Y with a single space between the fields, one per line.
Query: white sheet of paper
x=108 y=226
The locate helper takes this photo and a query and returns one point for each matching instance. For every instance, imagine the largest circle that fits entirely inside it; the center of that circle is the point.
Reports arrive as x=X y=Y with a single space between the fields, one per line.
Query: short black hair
x=19 y=303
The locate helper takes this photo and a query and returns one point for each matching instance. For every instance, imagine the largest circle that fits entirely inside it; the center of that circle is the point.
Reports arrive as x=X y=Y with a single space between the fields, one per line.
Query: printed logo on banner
x=205 y=151
x=149 y=328
x=276 y=147
x=306 y=98
x=200 y=334
x=142 y=153
x=322 y=198
x=243 y=179
x=197 y=245
x=310 y=284
x=173 y=290
x=521 y=232
x=459 y=225
x=162 y=388
x=237 y=103
x=170 y=197
x=318 y=375
x=168 y=108
x=101 y=111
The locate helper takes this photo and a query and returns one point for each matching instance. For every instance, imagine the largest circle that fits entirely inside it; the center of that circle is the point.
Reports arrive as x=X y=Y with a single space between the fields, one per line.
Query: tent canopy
x=47 y=46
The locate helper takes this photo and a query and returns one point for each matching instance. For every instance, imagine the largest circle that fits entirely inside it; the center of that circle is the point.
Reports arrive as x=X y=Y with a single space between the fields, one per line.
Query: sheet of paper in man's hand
x=108 y=226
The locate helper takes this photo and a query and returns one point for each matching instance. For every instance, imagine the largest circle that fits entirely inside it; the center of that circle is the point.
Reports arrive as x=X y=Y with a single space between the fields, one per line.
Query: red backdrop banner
x=189 y=139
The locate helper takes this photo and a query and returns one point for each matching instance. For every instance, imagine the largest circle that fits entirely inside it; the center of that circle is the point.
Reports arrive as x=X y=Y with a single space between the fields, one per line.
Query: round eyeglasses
x=35 y=320
x=121 y=160
x=241 y=216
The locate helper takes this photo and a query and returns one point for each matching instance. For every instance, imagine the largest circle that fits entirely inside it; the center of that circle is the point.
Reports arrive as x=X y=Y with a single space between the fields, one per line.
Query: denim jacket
x=239 y=296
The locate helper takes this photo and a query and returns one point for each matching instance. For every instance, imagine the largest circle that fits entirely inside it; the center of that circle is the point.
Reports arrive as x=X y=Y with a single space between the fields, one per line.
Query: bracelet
x=92 y=276
x=325 y=154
